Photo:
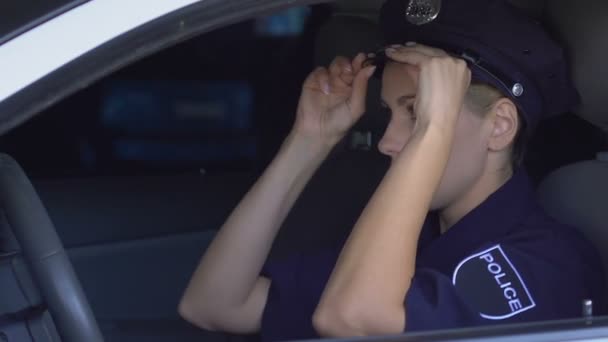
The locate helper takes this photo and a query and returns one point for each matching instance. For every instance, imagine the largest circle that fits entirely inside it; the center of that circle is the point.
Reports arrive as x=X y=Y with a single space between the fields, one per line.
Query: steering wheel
x=43 y=251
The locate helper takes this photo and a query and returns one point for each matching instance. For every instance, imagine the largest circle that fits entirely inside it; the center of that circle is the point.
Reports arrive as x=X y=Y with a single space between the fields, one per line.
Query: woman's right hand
x=333 y=100
x=226 y=292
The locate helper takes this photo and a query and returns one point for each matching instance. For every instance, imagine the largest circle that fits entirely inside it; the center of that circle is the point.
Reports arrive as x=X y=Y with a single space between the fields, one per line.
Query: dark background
x=264 y=60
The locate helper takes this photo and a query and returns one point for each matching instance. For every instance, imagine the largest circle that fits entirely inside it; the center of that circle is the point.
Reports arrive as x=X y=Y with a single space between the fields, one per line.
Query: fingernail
x=349 y=68
x=371 y=71
x=396 y=46
x=410 y=44
x=326 y=89
x=391 y=50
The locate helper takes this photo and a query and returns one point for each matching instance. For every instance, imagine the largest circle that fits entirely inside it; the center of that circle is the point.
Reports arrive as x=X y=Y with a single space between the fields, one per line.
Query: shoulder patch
x=490 y=283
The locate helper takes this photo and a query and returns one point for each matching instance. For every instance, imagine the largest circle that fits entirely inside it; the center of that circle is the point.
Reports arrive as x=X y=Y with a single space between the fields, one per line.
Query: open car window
x=197 y=106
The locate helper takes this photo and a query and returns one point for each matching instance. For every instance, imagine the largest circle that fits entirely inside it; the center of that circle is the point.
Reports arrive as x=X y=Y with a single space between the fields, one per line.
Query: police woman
x=452 y=237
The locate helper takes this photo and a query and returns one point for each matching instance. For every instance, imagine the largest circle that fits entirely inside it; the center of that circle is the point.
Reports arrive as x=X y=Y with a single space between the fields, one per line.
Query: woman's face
x=469 y=149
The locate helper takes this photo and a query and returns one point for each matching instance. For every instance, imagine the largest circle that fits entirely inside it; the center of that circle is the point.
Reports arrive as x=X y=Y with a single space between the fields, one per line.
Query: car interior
x=136 y=183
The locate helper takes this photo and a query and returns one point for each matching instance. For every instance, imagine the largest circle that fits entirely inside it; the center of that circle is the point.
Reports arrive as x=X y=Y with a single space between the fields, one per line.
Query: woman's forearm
x=365 y=294
x=231 y=265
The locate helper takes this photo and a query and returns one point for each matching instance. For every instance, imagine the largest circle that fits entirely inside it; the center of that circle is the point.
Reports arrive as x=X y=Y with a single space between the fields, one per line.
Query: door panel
x=134 y=243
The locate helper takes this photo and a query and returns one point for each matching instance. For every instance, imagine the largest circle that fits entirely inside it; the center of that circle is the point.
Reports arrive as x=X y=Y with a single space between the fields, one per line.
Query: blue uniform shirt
x=504 y=262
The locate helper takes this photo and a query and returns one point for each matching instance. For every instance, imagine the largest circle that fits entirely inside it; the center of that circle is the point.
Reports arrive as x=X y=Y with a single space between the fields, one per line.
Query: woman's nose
x=388 y=145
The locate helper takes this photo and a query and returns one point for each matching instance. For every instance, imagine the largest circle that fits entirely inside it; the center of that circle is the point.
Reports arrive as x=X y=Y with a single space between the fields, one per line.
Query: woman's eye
x=410 y=110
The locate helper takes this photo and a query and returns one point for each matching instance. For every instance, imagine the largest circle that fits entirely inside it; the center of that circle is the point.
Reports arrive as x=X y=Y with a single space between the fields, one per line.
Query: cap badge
x=518 y=89
x=420 y=12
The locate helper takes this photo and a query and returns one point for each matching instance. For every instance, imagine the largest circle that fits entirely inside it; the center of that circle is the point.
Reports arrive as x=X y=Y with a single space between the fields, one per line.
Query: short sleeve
x=296 y=287
x=433 y=302
x=485 y=288
x=499 y=284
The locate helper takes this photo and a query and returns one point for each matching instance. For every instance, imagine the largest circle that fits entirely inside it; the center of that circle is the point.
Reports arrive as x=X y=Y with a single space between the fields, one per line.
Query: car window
x=202 y=104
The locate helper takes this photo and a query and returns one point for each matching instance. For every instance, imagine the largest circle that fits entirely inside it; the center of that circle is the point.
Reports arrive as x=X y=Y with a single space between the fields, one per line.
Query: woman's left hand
x=442 y=83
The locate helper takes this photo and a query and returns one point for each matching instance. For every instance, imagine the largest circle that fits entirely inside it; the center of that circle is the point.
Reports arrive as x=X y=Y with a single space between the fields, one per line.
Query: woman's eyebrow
x=405 y=98
x=401 y=101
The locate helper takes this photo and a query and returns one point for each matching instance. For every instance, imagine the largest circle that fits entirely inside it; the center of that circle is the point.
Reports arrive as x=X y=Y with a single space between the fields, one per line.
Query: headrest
x=345 y=35
x=582 y=27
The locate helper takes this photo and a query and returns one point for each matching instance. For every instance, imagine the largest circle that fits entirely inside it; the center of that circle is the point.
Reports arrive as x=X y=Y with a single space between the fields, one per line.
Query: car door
x=138 y=170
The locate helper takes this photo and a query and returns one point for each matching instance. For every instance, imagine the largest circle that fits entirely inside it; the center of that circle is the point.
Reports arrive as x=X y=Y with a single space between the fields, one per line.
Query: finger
x=401 y=53
x=340 y=65
x=412 y=57
x=318 y=80
x=322 y=80
x=427 y=50
x=358 y=62
x=346 y=79
x=359 y=94
x=341 y=72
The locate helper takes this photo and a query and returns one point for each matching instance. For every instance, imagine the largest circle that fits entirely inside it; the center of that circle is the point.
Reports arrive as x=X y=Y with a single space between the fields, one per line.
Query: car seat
x=577 y=194
x=330 y=205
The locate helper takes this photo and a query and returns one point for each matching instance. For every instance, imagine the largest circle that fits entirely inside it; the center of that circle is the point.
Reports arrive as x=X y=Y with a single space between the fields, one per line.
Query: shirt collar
x=487 y=223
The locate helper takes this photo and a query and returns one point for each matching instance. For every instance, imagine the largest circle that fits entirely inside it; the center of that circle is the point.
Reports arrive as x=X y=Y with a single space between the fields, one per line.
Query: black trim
x=37 y=19
x=8 y=255
x=559 y=330
x=22 y=315
x=129 y=47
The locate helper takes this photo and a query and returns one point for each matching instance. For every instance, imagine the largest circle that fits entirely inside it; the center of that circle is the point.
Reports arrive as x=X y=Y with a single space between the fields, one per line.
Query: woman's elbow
x=337 y=320
x=357 y=319
x=189 y=311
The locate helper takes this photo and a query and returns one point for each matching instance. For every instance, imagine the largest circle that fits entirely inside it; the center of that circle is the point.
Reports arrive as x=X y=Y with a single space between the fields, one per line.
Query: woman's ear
x=505 y=125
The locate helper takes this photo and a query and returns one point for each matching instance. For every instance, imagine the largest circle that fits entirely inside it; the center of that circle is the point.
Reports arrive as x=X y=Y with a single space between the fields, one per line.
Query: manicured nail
x=371 y=71
x=409 y=44
x=396 y=46
x=391 y=50
x=326 y=89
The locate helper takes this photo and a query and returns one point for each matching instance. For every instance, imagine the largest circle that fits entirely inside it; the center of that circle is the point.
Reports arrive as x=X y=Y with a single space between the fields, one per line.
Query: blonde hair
x=479 y=99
